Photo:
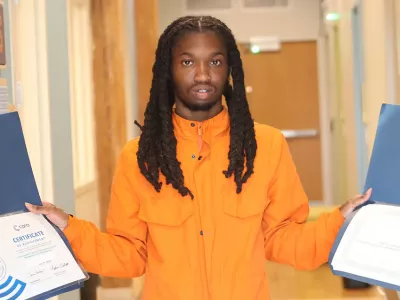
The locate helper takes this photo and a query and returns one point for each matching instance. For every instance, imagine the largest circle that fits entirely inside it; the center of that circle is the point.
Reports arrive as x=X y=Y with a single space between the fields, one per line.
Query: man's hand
x=353 y=203
x=56 y=215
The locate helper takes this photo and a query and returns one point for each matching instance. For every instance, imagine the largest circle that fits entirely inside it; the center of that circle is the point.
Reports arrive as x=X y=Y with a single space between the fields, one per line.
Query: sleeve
x=121 y=250
x=288 y=238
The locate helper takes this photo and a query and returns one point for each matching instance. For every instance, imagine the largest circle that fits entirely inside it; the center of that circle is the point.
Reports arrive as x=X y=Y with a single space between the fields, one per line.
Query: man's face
x=199 y=70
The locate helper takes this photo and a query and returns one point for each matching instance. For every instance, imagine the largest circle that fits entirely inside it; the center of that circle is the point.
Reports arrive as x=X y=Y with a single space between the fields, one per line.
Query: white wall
x=298 y=22
x=81 y=78
x=376 y=44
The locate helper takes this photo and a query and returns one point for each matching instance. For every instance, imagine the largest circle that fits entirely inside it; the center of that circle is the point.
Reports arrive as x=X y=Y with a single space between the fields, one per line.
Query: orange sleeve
x=288 y=238
x=121 y=251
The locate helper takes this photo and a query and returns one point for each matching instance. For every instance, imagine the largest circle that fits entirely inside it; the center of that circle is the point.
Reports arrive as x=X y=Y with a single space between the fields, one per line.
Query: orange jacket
x=213 y=247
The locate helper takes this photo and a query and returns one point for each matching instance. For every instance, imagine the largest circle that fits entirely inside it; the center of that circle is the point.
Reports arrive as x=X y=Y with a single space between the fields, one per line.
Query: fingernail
x=28 y=204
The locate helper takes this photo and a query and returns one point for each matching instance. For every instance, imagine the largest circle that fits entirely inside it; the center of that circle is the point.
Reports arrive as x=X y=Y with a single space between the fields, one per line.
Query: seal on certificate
x=3 y=270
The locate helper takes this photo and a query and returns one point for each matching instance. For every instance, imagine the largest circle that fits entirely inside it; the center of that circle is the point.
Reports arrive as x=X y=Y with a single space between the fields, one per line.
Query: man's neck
x=197 y=116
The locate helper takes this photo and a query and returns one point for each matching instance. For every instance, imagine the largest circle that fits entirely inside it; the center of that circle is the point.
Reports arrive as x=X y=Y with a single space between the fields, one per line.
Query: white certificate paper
x=33 y=258
x=370 y=246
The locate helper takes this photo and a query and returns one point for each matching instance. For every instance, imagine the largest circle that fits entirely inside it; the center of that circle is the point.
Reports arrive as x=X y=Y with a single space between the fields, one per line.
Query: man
x=205 y=195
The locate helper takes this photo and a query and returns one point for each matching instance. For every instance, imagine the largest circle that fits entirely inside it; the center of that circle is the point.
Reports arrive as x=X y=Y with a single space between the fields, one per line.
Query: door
x=284 y=94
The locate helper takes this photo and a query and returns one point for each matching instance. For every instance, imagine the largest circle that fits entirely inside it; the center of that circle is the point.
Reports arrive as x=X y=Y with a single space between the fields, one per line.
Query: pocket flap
x=247 y=204
x=165 y=211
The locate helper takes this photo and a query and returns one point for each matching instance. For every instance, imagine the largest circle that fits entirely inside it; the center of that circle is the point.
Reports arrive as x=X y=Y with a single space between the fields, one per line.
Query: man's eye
x=187 y=63
x=216 y=62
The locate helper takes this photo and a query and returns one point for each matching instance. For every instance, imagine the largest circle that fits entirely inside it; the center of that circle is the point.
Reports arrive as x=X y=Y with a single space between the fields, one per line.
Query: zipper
x=200 y=137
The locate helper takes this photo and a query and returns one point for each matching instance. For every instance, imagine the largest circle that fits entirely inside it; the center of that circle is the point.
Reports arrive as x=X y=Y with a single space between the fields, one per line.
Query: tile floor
x=114 y=294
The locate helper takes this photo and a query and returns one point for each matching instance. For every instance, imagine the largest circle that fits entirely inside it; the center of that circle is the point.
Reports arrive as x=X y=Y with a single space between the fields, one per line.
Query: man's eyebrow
x=213 y=53
x=218 y=53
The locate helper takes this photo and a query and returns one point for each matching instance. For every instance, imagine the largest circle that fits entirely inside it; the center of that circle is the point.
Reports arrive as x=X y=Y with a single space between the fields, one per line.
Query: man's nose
x=202 y=73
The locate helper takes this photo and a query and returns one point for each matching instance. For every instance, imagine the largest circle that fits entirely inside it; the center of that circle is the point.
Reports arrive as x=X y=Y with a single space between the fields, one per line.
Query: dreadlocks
x=157 y=144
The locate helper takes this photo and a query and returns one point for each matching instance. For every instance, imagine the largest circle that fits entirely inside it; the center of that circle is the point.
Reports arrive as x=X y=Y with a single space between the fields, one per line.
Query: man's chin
x=203 y=106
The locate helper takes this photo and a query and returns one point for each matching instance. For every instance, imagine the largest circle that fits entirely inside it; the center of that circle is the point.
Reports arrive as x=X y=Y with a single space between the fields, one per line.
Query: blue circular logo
x=3 y=270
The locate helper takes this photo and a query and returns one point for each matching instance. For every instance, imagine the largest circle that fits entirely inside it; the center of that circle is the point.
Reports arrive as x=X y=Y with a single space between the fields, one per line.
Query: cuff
x=72 y=230
x=336 y=219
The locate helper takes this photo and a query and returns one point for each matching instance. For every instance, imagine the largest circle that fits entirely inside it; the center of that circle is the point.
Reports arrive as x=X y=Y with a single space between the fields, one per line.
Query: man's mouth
x=202 y=93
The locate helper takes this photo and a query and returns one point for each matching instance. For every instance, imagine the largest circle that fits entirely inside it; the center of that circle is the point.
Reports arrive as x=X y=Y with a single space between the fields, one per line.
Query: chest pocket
x=165 y=209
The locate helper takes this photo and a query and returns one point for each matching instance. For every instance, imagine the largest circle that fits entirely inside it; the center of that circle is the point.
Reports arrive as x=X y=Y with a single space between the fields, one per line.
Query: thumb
x=37 y=209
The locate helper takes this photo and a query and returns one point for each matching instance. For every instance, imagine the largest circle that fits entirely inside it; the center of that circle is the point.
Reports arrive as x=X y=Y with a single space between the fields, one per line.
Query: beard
x=200 y=106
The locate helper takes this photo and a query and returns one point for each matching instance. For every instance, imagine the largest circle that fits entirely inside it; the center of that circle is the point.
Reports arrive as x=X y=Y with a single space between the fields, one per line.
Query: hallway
x=318 y=70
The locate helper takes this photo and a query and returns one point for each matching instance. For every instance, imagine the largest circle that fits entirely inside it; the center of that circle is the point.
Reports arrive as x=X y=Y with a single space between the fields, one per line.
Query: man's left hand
x=353 y=203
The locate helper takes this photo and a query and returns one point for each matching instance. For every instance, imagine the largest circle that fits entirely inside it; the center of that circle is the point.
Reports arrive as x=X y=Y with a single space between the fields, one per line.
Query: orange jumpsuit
x=215 y=246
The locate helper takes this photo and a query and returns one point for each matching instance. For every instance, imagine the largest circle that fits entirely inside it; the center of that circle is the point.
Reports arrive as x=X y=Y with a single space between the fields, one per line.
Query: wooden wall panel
x=146 y=30
x=107 y=21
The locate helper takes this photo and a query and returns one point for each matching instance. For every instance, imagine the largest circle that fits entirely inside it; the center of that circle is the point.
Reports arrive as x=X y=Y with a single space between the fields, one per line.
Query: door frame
x=358 y=83
x=325 y=124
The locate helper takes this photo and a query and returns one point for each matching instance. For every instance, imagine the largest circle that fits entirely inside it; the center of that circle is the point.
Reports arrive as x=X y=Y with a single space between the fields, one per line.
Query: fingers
x=361 y=199
x=46 y=209
x=355 y=202
x=368 y=193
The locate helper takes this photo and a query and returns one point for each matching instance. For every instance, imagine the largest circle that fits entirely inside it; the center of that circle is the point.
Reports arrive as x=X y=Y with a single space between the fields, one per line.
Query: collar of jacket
x=216 y=126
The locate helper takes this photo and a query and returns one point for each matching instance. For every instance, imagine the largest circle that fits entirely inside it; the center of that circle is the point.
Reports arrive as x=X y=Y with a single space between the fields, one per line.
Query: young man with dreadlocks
x=205 y=195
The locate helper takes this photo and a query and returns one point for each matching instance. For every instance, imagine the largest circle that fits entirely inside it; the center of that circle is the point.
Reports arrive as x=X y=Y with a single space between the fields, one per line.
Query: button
x=201 y=232
x=192 y=124
x=193 y=156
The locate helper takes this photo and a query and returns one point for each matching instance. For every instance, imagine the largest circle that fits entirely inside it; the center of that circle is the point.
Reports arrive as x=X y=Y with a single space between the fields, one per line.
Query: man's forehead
x=202 y=41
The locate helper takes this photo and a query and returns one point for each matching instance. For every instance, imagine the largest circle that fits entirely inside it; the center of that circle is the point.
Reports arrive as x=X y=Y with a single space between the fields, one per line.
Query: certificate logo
x=10 y=288
x=3 y=270
x=20 y=227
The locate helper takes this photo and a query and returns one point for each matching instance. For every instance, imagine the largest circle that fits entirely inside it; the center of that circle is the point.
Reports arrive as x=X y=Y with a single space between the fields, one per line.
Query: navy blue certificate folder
x=17 y=182
x=383 y=177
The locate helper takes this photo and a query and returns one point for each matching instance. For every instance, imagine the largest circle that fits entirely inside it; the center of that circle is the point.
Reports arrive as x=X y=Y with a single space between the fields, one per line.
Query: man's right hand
x=55 y=215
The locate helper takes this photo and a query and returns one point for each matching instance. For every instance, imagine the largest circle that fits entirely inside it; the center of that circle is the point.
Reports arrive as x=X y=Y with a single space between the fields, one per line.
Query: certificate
x=34 y=258
x=370 y=246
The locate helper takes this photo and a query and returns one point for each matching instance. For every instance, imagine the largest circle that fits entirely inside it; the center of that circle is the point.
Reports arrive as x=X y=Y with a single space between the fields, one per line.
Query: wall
x=7 y=72
x=146 y=37
x=81 y=78
x=376 y=89
x=299 y=22
x=131 y=72
x=396 y=46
